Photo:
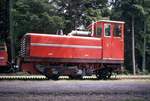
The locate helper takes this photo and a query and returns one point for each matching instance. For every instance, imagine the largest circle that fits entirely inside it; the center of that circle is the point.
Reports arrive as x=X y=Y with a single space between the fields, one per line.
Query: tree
x=80 y=12
x=146 y=6
x=138 y=11
x=5 y=26
x=4 y=19
x=36 y=16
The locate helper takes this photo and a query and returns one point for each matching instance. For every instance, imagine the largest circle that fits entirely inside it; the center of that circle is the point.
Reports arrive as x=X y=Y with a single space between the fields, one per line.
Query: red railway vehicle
x=4 y=64
x=100 y=51
x=3 y=55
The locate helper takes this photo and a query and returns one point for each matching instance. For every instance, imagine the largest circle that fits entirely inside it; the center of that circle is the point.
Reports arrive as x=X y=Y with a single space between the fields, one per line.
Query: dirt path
x=75 y=90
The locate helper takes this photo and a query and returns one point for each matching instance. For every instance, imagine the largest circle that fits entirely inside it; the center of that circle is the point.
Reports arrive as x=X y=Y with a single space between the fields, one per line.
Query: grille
x=23 y=47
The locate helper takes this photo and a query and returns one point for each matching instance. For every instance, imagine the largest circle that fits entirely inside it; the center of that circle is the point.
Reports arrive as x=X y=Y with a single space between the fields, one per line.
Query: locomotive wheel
x=55 y=77
x=104 y=73
x=48 y=73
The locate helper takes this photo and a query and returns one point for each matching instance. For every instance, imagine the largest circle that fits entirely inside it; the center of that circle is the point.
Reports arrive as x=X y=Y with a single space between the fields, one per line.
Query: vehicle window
x=117 y=30
x=98 y=30
x=107 y=29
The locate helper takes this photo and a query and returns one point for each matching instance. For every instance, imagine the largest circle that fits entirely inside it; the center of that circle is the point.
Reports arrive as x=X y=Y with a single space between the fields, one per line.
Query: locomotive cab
x=112 y=35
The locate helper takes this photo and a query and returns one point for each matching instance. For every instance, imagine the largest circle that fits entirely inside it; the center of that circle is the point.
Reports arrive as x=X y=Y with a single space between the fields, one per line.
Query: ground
x=75 y=90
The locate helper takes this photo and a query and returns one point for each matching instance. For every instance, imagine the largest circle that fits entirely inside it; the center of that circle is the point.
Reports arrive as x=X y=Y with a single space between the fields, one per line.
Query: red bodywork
x=3 y=55
x=101 y=48
x=54 y=46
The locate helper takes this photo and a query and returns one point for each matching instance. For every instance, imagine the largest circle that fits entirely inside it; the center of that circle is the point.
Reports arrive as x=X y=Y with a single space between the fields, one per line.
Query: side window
x=107 y=29
x=98 y=30
x=117 y=30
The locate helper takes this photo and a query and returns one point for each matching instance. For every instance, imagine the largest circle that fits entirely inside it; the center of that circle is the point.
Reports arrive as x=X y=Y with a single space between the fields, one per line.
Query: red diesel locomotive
x=99 y=51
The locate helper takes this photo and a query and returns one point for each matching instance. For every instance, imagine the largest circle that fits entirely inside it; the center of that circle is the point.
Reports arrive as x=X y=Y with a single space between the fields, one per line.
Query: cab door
x=107 y=41
x=118 y=42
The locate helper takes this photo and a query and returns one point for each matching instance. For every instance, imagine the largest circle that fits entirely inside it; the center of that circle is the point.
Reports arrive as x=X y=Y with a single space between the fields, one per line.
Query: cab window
x=98 y=30
x=107 y=30
x=117 y=30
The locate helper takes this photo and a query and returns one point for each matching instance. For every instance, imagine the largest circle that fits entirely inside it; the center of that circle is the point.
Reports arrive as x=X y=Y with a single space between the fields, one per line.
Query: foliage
x=35 y=16
x=4 y=19
x=80 y=12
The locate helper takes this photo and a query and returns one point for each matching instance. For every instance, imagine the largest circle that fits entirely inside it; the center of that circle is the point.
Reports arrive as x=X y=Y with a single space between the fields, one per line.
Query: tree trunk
x=144 y=60
x=133 y=47
x=11 y=31
x=144 y=49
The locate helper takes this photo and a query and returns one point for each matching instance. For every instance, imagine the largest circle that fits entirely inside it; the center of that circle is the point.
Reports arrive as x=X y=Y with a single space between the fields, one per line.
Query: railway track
x=41 y=77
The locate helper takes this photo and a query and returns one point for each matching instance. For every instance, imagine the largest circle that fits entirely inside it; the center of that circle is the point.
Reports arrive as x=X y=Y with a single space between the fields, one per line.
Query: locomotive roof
x=54 y=35
x=109 y=21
